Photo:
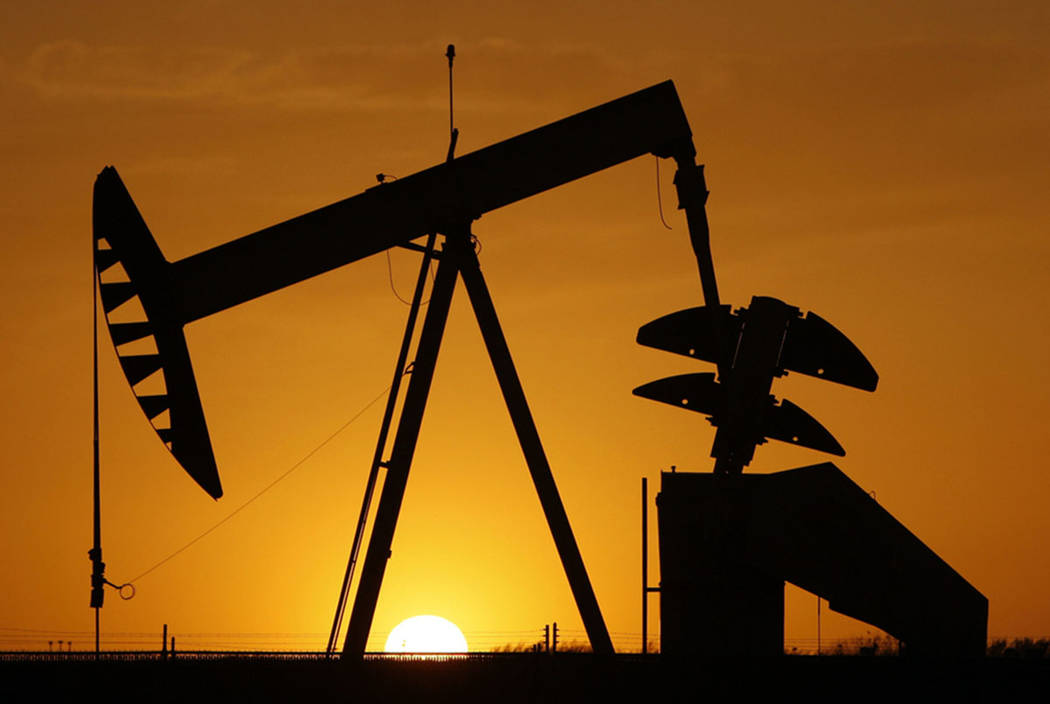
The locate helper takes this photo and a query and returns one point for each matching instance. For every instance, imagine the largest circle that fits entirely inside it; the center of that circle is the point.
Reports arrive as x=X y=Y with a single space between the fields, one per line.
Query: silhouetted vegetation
x=869 y=646
x=1019 y=648
x=518 y=648
x=569 y=647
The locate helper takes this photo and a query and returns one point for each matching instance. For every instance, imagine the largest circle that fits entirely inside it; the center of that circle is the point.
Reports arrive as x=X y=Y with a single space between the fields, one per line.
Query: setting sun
x=426 y=634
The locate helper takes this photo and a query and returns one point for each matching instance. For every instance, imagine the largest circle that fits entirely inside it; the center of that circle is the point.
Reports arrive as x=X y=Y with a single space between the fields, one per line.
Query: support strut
x=384 y=429
x=401 y=458
x=535 y=457
x=458 y=257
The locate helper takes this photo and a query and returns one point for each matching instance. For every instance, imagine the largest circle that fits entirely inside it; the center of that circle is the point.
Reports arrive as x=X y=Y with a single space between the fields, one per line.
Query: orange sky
x=884 y=166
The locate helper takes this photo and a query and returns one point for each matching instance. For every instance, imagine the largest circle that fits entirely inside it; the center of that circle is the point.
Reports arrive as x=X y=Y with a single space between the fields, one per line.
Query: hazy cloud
x=69 y=68
x=910 y=75
x=313 y=78
x=355 y=77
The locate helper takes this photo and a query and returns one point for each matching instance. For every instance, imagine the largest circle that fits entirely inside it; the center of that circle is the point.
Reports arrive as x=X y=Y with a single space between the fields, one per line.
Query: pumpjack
x=748 y=348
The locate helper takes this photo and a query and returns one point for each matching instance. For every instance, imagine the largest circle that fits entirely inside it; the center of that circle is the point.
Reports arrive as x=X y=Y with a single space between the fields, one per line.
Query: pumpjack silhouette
x=727 y=540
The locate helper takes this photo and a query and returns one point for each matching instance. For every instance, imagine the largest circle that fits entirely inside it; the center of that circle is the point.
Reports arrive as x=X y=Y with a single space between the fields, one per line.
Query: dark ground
x=511 y=678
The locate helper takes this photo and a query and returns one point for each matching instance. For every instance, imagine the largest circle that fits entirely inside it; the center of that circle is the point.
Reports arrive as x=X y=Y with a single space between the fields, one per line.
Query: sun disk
x=426 y=634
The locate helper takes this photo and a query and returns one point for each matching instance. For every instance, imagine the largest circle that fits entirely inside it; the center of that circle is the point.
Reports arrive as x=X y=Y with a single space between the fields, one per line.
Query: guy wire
x=269 y=486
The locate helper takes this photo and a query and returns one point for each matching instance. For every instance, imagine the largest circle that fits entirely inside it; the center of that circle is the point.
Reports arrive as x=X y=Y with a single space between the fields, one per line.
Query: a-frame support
x=459 y=258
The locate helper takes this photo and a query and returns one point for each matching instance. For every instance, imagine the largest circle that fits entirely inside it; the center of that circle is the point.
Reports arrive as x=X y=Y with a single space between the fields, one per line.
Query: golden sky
x=882 y=164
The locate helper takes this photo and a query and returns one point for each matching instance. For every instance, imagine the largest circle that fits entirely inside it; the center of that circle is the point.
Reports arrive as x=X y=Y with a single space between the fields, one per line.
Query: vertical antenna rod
x=450 y=54
x=453 y=133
